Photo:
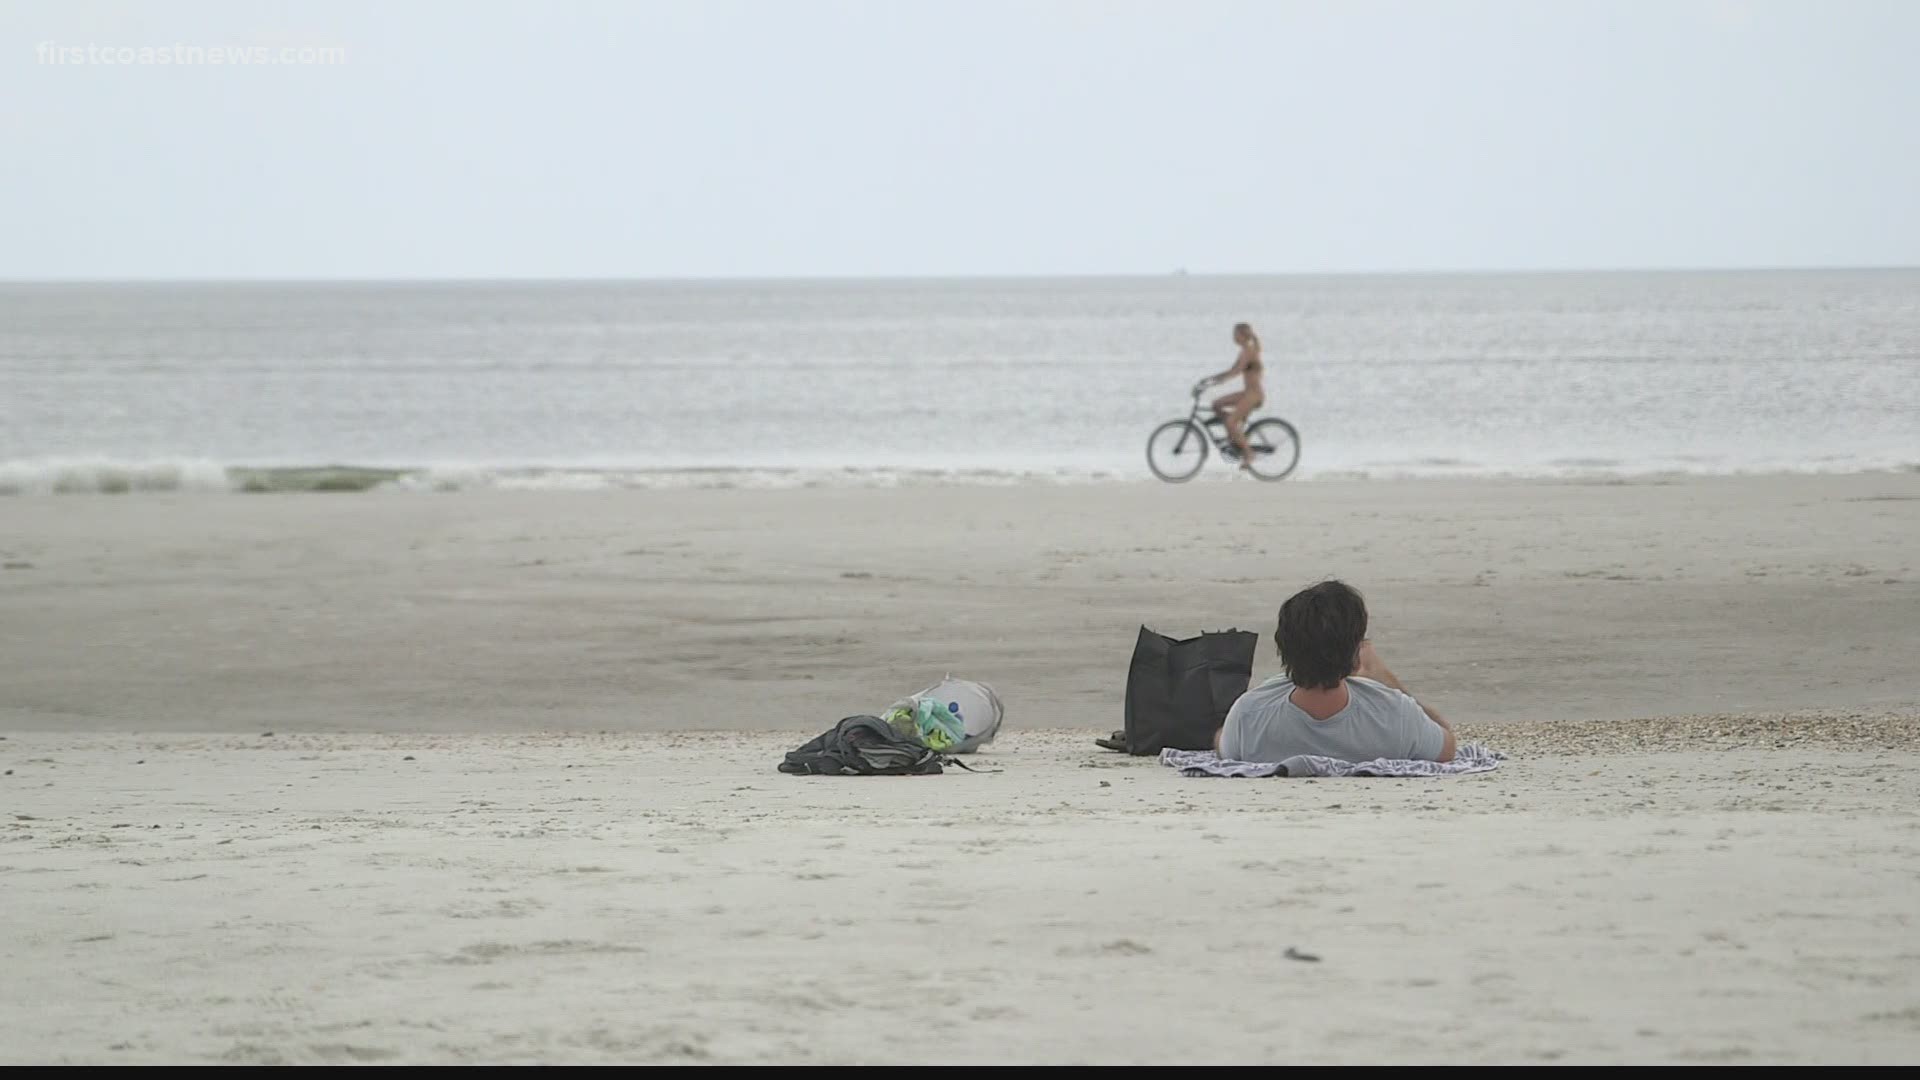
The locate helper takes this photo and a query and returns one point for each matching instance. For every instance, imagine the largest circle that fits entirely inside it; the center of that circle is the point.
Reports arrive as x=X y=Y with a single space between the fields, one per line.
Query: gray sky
x=928 y=137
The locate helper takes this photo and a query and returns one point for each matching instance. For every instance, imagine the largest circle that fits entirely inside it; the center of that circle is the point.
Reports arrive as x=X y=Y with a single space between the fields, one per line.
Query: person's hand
x=1365 y=660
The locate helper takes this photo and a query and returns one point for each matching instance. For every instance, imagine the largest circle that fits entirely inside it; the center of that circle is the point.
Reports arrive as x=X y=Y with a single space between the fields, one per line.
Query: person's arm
x=1239 y=365
x=1368 y=665
x=1221 y=743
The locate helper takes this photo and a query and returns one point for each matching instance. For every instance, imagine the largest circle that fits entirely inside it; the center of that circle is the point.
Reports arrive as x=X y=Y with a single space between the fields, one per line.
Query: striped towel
x=1471 y=758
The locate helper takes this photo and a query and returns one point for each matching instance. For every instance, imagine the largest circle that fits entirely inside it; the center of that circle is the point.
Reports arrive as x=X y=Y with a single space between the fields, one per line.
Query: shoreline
x=80 y=475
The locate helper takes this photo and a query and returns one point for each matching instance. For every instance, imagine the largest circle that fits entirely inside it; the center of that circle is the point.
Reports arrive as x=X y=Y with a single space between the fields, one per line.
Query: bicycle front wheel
x=1176 y=450
x=1275 y=448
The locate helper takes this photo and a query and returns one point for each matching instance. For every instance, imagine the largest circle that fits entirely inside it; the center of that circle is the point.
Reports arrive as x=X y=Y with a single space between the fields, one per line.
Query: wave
x=91 y=476
x=99 y=476
x=104 y=476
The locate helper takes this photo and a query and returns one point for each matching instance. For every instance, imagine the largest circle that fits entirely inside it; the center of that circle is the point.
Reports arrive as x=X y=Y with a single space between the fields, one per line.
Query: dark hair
x=1320 y=629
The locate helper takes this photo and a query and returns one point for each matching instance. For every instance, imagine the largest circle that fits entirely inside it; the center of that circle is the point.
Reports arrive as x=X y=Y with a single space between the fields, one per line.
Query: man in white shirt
x=1337 y=698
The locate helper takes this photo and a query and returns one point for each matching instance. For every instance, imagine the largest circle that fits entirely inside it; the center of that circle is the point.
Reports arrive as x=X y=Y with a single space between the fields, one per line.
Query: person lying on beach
x=1337 y=699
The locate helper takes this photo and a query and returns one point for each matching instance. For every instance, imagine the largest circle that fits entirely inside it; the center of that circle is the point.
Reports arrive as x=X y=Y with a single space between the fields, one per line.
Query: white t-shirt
x=1378 y=722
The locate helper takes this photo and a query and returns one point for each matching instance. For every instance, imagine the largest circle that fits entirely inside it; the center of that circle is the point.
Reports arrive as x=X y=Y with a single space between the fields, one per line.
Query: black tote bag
x=1178 y=692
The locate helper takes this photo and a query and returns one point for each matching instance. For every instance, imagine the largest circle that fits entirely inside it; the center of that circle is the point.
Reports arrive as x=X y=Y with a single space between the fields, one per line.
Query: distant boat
x=1179 y=271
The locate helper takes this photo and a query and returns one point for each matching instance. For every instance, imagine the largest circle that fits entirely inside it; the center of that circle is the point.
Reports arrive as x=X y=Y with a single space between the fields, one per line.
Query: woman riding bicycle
x=1234 y=408
x=1267 y=448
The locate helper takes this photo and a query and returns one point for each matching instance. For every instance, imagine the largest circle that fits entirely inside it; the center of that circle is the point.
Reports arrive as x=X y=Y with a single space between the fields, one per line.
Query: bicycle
x=1178 y=448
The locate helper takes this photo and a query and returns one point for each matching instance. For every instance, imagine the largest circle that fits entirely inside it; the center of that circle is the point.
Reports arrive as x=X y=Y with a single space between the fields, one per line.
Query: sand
x=671 y=898
x=724 y=610
x=485 y=826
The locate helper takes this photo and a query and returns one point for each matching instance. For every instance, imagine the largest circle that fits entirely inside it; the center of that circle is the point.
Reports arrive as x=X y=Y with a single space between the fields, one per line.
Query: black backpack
x=862 y=746
x=1178 y=692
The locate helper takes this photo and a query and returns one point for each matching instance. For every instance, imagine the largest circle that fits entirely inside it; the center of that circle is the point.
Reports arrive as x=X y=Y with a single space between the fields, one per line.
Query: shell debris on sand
x=1829 y=729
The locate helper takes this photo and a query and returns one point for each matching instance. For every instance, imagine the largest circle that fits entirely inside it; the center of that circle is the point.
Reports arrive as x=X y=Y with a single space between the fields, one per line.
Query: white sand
x=672 y=898
x=1734 y=888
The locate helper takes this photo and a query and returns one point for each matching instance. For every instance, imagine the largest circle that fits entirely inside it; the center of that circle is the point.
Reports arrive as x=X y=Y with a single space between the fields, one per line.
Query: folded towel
x=1471 y=758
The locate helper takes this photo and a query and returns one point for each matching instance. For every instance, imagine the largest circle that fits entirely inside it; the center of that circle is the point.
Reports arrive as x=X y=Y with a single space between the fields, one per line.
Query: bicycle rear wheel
x=1176 y=450
x=1275 y=448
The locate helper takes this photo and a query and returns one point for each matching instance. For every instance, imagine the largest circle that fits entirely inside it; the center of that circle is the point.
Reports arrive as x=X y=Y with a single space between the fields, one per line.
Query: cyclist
x=1234 y=408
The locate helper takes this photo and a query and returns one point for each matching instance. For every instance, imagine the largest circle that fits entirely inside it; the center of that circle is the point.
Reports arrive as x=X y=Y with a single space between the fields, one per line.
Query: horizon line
x=851 y=278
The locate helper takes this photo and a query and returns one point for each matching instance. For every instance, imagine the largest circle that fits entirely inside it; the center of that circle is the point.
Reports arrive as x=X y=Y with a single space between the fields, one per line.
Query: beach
x=454 y=456
x=788 y=609
x=489 y=776
x=656 y=898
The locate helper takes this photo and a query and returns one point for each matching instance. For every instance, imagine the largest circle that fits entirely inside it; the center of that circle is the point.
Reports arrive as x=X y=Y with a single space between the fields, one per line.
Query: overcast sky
x=700 y=138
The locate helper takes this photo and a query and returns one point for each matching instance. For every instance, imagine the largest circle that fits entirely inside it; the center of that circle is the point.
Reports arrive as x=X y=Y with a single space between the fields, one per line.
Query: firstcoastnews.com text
x=53 y=54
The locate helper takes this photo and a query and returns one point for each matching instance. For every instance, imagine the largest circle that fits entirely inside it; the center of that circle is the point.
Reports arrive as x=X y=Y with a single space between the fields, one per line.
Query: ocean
x=455 y=386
